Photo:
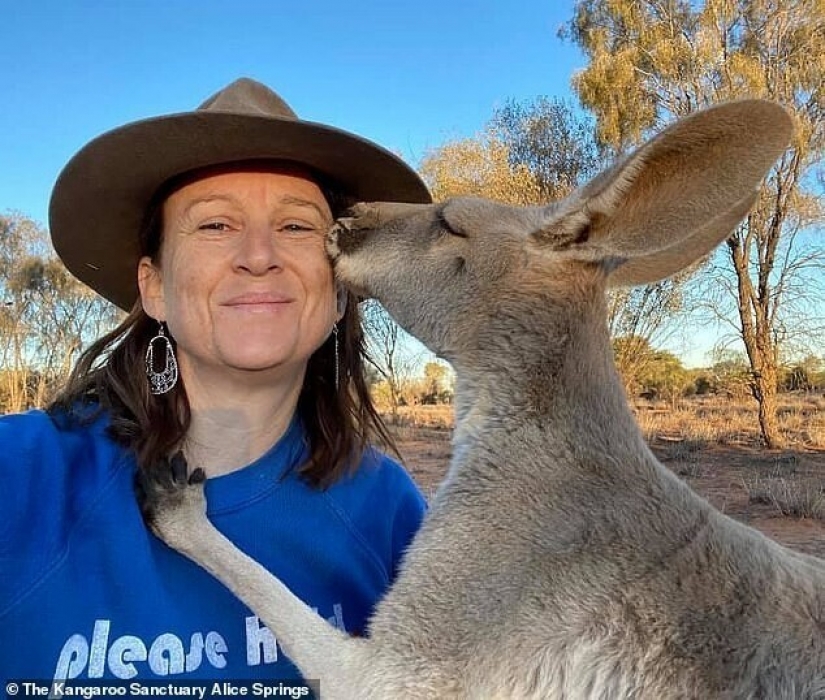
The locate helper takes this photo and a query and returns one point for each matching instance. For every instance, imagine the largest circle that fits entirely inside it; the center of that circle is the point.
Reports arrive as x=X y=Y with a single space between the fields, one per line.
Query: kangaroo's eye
x=445 y=224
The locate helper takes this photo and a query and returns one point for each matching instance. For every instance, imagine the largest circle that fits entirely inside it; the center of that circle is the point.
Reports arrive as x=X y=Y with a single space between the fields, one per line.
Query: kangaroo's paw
x=172 y=500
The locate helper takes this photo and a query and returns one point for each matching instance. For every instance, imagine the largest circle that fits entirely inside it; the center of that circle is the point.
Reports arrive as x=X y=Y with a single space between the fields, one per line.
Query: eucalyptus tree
x=650 y=61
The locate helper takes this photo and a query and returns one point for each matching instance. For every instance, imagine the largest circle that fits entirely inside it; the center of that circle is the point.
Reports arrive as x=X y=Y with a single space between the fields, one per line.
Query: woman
x=239 y=351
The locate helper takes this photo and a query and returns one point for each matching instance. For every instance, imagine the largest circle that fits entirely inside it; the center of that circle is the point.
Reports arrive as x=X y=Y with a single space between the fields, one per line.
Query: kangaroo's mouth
x=340 y=242
x=331 y=243
x=344 y=237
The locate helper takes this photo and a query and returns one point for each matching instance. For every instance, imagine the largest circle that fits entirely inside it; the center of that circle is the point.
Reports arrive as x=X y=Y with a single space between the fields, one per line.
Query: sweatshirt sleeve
x=383 y=507
x=399 y=509
x=28 y=453
x=49 y=477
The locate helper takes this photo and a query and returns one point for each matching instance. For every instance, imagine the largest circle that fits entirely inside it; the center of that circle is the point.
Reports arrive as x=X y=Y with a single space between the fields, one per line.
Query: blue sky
x=408 y=75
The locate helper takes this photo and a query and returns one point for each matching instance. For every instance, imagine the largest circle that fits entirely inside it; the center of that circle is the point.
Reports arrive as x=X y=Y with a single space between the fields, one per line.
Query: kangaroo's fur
x=559 y=558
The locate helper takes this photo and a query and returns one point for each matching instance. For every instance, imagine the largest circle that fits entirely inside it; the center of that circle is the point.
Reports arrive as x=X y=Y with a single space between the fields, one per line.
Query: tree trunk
x=764 y=391
x=758 y=340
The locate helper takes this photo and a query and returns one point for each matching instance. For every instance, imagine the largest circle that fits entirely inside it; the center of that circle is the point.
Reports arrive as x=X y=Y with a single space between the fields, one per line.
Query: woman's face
x=242 y=279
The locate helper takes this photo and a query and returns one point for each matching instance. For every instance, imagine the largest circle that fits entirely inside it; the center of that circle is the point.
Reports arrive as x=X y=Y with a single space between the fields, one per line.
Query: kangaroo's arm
x=316 y=647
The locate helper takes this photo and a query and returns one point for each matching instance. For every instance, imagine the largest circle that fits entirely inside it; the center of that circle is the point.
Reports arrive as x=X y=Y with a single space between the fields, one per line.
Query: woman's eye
x=298 y=228
x=214 y=226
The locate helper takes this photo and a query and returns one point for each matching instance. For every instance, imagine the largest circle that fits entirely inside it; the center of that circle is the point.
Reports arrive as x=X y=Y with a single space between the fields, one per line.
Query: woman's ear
x=150 y=285
x=341 y=298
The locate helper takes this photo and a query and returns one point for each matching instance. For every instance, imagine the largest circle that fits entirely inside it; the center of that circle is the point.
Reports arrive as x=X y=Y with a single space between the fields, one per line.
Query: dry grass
x=694 y=424
x=707 y=421
x=796 y=498
x=412 y=417
x=712 y=444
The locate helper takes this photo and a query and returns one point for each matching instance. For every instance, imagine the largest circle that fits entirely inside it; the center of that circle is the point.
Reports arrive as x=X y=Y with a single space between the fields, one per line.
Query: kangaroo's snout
x=344 y=237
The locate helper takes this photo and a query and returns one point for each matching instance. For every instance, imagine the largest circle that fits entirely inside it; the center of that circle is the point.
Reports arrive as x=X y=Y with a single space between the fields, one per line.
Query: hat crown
x=246 y=96
x=115 y=177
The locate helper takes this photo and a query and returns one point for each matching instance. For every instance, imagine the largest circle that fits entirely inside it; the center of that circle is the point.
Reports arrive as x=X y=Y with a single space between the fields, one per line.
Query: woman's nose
x=258 y=250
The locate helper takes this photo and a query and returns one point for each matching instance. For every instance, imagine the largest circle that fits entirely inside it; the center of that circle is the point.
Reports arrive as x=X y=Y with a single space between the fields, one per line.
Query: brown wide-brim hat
x=101 y=197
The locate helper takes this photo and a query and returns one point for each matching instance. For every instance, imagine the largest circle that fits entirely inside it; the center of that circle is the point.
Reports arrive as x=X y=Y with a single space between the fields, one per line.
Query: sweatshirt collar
x=247 y=484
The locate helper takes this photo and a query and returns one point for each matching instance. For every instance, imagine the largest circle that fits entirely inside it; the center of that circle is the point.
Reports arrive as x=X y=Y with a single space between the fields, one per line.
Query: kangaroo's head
x=469 y=273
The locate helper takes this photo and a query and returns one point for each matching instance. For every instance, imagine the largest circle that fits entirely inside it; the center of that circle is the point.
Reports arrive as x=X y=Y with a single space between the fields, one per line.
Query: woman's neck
x=236 y=422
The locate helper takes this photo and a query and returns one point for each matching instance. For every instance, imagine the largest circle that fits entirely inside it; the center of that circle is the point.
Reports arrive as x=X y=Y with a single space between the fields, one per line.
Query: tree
x=388 y=351
x=478 y=167
x=638 y=319
x=653 y=60
x=529 y=153
x=551 y=141
x=46 y=318
x=437 y=385
x=803 y=375
x=665 y=378
x=730 y=372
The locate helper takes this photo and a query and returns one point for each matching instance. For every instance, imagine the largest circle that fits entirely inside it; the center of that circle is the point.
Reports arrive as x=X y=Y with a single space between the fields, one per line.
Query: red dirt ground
x=726 y=476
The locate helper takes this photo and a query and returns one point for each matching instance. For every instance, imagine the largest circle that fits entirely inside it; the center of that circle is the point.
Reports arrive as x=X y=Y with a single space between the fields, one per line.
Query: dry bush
x=719 y=421
x=438 y=416
x=796 y=498
x=694 y=423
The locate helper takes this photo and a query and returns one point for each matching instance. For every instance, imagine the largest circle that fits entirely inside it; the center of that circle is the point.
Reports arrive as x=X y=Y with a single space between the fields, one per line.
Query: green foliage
x=650 y=62
x=551 y=140
x=666 y=378
x=529 y=153
x=650 y=373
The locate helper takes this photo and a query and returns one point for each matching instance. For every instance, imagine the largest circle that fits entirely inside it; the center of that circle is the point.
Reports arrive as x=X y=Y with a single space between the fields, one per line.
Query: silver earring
x=335 y=339
x=165 y=380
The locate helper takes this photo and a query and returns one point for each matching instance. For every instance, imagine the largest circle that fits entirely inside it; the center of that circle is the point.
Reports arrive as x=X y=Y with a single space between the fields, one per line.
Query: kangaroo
x=559 y=558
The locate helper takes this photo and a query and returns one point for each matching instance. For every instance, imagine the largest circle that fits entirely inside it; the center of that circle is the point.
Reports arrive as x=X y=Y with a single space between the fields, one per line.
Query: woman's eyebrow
x=206 y=199
x=301 y=202
x=286 y=199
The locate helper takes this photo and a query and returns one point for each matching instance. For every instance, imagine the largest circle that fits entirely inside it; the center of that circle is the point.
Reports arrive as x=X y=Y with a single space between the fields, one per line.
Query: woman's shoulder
x=382 y=503
x=27 y=440
x=379 y=474
x=35 y=440
x=51 y=463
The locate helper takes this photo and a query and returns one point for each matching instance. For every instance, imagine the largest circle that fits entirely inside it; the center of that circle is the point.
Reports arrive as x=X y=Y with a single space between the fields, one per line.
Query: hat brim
x=101 y=196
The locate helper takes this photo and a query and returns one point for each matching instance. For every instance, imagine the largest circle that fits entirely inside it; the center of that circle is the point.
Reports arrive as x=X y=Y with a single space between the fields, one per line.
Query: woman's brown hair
x=339 y=419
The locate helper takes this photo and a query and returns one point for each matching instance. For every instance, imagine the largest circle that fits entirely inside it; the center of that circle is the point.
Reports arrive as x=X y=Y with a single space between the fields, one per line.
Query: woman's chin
x=256 y=363
x=263 y=356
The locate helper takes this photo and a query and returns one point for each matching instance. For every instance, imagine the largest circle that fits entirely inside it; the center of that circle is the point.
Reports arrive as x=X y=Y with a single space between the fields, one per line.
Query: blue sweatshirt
x=86 y=591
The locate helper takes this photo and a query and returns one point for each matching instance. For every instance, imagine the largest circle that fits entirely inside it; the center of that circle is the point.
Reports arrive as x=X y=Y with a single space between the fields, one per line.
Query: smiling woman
x=239 y=352
x=245 y=287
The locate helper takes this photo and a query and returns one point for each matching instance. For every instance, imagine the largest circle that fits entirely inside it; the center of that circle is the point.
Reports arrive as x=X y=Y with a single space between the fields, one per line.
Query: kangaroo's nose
x=343 y=237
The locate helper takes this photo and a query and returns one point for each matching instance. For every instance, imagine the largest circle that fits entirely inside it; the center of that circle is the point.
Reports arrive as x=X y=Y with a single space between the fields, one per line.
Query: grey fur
x=559 y=559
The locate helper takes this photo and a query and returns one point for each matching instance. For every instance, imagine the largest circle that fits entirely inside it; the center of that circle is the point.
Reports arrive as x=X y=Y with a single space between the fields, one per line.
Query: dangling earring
x=341 y=298
x=335 y=346
x=165 y=380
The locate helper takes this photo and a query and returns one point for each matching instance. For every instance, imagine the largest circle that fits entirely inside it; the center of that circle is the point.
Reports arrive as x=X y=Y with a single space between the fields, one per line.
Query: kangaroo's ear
x=677 y=197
